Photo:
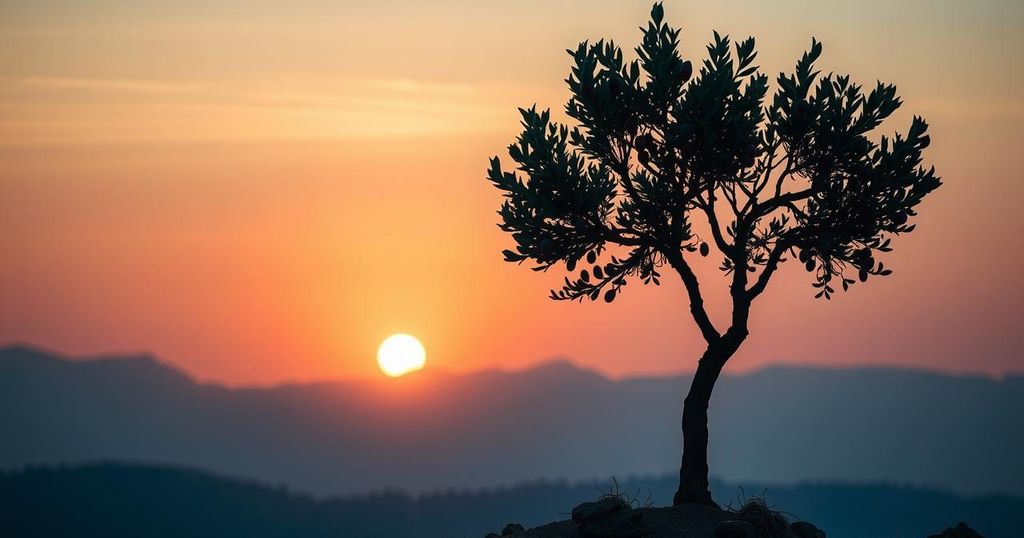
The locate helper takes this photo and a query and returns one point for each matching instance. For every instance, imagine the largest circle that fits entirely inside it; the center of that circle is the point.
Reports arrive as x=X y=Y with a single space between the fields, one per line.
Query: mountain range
x=492 y=428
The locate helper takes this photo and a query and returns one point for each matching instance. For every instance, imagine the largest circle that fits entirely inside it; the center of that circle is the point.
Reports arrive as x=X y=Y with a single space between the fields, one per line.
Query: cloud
x=405 y=85
x=108 y=84
x=71 y=110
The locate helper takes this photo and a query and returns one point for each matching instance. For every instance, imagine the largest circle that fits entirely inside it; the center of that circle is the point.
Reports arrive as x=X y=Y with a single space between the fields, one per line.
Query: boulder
x=598 y=509
x=735 y=529
x=803 y=529
x=610 y=517
x=511 y=529
x=960 y=531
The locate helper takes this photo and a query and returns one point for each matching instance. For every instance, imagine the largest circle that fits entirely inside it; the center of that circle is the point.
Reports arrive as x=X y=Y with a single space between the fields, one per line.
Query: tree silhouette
x=662 y=154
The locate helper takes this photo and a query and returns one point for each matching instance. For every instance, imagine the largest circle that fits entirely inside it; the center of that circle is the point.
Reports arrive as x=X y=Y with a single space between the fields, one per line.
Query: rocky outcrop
x=803 y=529
x=960 y=531
x=608 y=517
x=613 y=517
x=735 y=528
x=511 y=529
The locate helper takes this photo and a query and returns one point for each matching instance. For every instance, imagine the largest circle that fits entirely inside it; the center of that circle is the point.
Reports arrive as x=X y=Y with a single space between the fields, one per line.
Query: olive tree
x=666 y=162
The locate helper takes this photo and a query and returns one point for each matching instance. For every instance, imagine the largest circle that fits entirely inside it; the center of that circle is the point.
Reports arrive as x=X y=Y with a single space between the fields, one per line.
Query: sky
x=263 y=191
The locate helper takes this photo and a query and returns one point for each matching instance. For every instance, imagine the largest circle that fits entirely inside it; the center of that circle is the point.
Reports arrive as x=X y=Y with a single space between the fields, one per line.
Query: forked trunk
x=693 y=473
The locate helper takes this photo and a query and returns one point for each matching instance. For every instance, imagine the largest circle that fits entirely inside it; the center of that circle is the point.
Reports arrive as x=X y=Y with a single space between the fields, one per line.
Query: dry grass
x=756 y=511
x=631 y=500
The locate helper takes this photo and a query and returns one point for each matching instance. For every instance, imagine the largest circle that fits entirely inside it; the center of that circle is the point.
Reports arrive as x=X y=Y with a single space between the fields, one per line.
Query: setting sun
x=400 y=354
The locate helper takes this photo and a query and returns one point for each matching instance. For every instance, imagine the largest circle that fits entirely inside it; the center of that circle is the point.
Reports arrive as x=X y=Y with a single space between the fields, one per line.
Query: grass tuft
x=632 y=500
x=756 y=511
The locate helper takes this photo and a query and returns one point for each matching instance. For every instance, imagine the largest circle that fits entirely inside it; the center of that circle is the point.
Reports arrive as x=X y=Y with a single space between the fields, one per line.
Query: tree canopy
x=659 y=146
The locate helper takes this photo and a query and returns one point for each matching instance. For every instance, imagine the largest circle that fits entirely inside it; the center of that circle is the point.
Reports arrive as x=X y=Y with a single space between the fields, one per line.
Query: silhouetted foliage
x=662 y=151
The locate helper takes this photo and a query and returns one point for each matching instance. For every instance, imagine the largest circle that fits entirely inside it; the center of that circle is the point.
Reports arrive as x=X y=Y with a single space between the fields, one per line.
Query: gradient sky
x=263 y=190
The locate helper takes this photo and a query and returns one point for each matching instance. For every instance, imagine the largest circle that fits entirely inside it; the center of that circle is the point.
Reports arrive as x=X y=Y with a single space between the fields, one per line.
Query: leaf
x=512 y=256
x=610 y=296
x=657 y=14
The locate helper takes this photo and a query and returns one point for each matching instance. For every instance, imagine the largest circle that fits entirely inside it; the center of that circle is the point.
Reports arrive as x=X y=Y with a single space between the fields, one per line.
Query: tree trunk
x=693 y=473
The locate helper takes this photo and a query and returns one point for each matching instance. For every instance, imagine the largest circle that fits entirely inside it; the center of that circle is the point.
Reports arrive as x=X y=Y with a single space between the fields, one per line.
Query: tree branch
x=781 y=200
x=619 y=236
x=738 y=288
x=716 y=231
x=774 y=257
x=788 y=170
x=770 y=166
x=700 y=314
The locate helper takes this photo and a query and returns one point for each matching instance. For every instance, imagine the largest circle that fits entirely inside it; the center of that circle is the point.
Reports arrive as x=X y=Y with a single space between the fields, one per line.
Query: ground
x=683 y=521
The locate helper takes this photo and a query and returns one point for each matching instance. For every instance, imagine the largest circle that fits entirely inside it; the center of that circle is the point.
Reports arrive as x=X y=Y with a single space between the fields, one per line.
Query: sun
x=400 y=354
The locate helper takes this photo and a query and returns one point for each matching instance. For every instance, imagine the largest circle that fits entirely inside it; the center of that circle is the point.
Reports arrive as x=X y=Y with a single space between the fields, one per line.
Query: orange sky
x=260 y=191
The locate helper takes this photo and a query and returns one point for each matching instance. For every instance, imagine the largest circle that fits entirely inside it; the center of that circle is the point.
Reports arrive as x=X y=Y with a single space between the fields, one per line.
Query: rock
x=803 y=529
x=960 y=531
x=511 y=529
x=623 y=524
x=735 y=529
x=597 y=509
x=610 y=517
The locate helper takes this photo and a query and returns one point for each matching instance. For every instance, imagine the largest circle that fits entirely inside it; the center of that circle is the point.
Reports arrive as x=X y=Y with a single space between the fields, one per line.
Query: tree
x=662 y=155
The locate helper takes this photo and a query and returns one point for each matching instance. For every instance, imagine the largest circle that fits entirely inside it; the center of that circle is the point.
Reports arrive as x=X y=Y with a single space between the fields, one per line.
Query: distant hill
x=964 y=433
x=120 y=501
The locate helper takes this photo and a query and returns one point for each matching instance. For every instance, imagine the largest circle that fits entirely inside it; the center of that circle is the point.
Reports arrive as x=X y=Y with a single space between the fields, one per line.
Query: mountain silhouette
x=490 y=428
x=151 y=501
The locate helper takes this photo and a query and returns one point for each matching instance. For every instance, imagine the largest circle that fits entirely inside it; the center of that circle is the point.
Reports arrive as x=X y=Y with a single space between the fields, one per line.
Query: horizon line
x=495 y=369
